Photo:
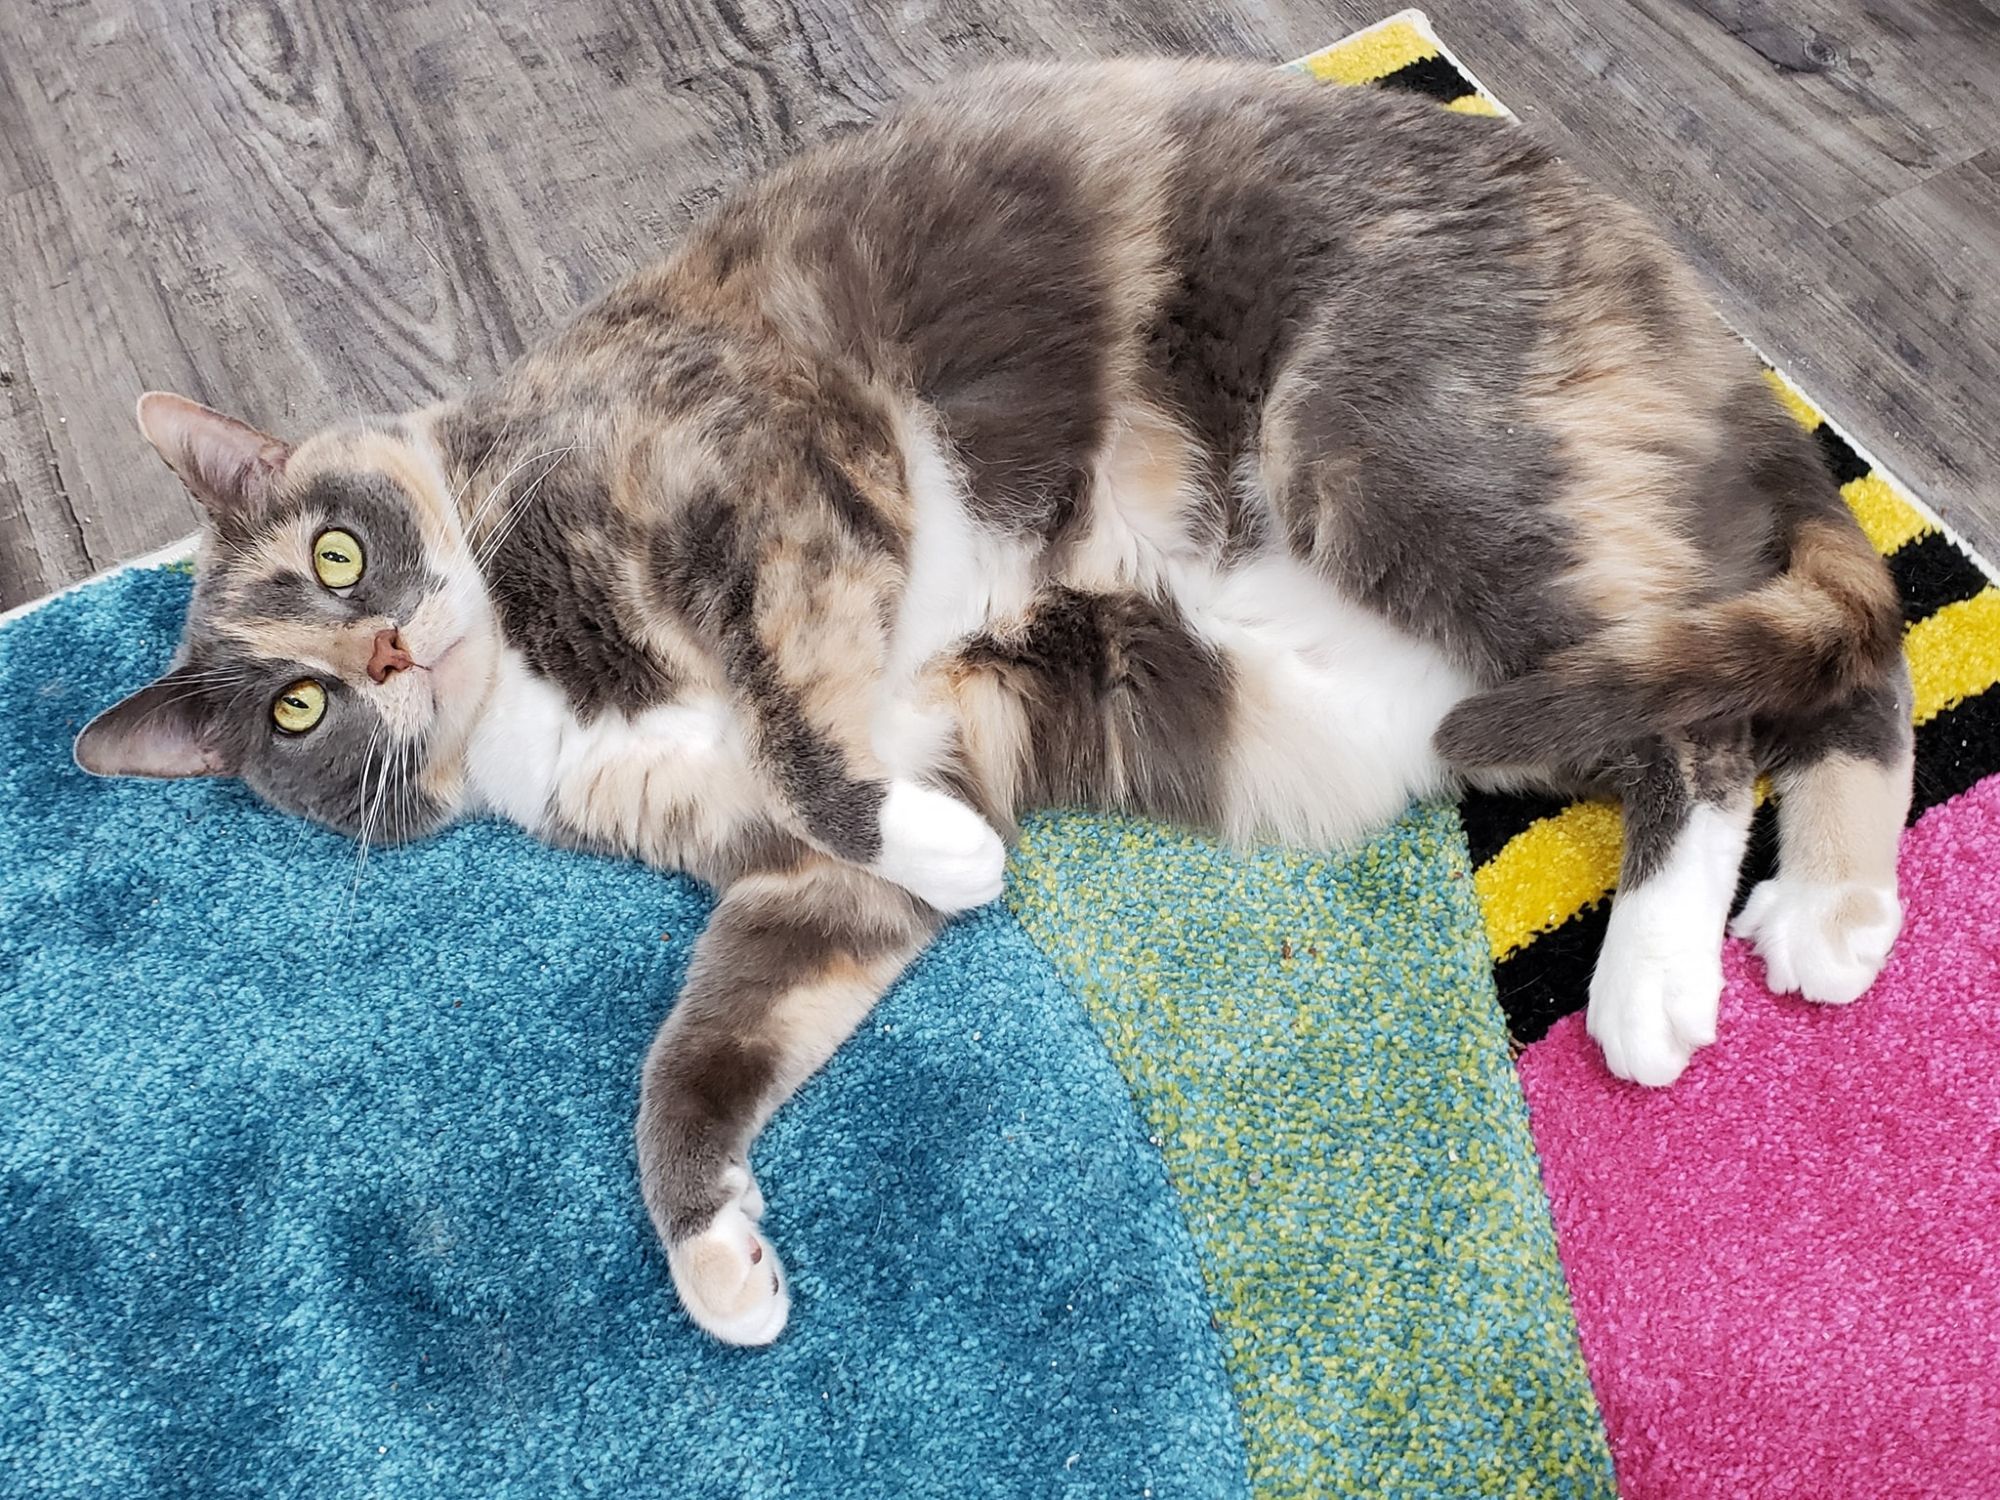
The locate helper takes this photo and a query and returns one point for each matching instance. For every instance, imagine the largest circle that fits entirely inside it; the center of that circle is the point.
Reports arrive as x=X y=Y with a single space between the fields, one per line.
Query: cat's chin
x=459 y=676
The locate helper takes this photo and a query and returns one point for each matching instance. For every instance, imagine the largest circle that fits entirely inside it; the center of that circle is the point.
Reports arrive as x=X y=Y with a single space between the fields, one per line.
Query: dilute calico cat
x=1184 y=438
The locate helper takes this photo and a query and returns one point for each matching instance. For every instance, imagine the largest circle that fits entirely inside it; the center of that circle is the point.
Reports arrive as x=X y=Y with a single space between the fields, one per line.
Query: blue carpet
x=325 y=1189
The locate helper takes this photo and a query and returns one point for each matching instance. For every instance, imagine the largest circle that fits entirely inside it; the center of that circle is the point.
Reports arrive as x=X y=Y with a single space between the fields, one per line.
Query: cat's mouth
x=442 y=671
x=439 y=658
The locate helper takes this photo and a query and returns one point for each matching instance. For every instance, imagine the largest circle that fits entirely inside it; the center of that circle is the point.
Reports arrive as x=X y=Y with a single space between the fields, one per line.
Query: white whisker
x=471 y=530
x=516 y=510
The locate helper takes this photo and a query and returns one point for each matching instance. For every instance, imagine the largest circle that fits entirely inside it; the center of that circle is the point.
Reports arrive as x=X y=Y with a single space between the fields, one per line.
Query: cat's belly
x=1325 y=710
x=1254 y=701
x=1331 y=708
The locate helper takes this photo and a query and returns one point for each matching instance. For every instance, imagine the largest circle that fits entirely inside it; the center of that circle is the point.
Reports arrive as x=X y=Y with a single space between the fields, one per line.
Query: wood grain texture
x=294 y=210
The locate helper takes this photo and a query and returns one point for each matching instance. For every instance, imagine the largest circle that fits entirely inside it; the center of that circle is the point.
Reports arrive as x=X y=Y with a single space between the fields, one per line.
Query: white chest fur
x=641 y=782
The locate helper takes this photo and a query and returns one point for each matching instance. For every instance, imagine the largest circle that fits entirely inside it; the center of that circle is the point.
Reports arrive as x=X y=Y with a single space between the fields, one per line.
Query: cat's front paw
x=729 y=1277
x=1653 y=1002
x=1825 y=942
x=938 y=849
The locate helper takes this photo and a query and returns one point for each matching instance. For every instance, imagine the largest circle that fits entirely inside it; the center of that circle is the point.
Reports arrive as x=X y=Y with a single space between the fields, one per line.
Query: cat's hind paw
x=1823 y=941
x=729 y=1276
x=1651 y=1012
x=938 y=849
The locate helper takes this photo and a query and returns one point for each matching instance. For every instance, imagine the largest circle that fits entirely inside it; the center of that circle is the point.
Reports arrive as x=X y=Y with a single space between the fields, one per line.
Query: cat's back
x=986 y=192
x=1036 y=251
x=1020 y=139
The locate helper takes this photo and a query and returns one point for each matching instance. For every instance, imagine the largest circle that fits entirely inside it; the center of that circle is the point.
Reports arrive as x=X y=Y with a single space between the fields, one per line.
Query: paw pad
x=731 y=1281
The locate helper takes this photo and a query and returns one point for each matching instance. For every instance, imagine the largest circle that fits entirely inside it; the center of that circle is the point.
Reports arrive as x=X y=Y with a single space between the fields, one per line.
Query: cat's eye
x=299 y=706
x=337 y=559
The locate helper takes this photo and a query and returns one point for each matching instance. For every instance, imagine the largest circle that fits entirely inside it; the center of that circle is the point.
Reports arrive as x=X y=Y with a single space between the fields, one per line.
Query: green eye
x=337 y=559
x=299 y=706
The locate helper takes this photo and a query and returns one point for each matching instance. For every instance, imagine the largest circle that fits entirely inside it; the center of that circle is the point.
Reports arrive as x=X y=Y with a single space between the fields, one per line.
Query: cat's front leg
x=789 y=966
x=798 y=606
x=817 y=746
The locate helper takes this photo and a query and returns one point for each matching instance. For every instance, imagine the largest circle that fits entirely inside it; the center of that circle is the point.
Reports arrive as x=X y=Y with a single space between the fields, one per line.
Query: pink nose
x=388 y=656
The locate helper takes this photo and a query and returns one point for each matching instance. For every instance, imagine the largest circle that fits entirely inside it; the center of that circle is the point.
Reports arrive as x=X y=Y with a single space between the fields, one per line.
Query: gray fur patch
x=1123 y=703
x=701 y=565
x=1661 y=783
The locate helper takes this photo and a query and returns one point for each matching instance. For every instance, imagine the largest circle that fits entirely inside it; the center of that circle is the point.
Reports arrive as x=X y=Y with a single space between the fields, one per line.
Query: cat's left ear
x=229 y=466
x=161 y=730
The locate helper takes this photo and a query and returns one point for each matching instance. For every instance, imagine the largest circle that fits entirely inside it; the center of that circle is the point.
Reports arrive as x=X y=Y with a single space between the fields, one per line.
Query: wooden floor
x=294 y=210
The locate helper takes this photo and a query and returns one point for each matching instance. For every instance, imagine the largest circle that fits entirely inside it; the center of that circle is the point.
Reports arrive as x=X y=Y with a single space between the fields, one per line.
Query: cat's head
x=339 y=643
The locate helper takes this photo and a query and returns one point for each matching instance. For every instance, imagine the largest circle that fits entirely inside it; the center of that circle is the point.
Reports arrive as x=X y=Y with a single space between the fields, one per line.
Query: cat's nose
x=388 y=656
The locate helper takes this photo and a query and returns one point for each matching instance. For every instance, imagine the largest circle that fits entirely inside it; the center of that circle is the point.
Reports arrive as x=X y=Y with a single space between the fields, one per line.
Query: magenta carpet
x=1786 y=1268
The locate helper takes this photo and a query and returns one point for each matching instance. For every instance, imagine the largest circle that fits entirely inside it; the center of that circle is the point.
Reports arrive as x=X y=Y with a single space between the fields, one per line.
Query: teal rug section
x=325 y=1189
x=1315 y=1044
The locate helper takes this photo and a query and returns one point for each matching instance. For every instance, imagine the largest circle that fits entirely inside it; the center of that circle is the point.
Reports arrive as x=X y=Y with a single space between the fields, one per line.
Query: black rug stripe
x=1931 y=573
x=1957 y=748
x=1433 y=77
x=1493 y=818
x=1550 y=978
x=1760 y=862
x=1845 y=463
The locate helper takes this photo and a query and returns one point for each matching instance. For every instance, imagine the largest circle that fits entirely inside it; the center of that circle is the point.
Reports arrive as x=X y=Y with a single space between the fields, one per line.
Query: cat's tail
x=1823 y=629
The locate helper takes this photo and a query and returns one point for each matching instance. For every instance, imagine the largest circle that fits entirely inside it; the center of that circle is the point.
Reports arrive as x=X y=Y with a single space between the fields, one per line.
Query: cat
x=1184 y=438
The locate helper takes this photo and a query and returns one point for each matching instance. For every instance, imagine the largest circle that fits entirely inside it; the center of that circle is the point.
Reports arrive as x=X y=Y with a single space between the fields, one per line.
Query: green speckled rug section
x=1315 y=1046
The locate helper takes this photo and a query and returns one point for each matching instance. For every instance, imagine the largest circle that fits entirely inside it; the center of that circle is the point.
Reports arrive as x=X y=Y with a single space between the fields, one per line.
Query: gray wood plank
x=41 y=542
x=1924 y=267
x=1911 y=80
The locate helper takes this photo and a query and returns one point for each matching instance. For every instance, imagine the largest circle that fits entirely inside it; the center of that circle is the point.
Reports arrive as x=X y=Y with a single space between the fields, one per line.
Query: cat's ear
x=161 y=730
x=229 y=466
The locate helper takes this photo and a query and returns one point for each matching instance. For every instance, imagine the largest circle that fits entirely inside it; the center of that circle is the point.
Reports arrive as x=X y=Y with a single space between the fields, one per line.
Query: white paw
x=1652 y=1006
x=729 y=1276
x=1825 y=942
x=938 y=849
x=1658 y=982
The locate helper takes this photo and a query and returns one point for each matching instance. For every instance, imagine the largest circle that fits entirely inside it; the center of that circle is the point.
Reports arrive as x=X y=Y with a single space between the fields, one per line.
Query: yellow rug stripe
x=1548 y=873
x=1371 y=55
x=1890 y=521
x=1954 y=654
x=1474 y=104
x=1803 y=411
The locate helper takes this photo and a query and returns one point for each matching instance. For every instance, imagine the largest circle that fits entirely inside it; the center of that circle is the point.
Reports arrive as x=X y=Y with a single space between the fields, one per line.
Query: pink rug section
x=1786 y=1268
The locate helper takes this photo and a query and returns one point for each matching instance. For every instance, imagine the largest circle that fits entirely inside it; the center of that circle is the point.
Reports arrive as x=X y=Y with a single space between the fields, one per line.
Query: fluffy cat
x=1185 y=438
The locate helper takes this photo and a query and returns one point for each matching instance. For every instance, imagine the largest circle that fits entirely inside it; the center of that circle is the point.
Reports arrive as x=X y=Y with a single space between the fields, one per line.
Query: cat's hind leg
x=1824 y=924
x=791 y=963
x=1658 y=981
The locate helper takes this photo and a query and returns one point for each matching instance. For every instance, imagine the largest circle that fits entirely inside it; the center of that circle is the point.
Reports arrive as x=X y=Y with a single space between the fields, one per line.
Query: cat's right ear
x=229 y=466
x=162 y=730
